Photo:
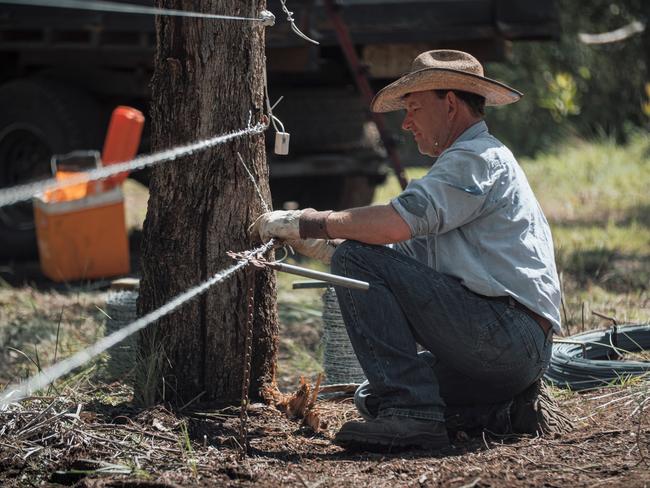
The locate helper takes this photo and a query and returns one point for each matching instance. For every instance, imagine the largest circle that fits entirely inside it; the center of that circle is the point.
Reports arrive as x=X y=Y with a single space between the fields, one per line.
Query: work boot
x=392 y=432
x=535 y=412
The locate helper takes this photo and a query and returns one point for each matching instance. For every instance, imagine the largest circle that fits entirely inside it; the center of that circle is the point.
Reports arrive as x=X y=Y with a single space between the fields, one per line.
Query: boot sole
x=427 y=442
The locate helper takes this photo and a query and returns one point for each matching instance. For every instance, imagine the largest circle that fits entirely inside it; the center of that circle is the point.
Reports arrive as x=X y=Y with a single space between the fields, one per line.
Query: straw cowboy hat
x=444 y=69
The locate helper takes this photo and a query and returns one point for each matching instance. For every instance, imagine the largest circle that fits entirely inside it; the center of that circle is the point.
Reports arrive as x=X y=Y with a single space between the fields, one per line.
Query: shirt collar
x=472 y=132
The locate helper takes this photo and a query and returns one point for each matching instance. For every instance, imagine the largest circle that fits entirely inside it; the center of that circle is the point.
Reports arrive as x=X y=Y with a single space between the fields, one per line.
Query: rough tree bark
x=208 y=78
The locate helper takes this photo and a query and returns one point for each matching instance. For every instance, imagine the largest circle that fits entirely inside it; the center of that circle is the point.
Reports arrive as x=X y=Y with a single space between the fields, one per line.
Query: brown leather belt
x=544 y=324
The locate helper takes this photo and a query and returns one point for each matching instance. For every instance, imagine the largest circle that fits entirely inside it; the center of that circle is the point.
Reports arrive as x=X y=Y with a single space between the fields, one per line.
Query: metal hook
x=286 y=254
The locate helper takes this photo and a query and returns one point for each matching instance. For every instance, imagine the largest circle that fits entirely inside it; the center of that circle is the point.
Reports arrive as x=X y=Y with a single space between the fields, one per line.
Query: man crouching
x=469 y=274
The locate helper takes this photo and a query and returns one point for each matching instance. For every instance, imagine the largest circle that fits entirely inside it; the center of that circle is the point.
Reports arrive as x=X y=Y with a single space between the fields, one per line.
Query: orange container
x=122 y=140
x=84 y=238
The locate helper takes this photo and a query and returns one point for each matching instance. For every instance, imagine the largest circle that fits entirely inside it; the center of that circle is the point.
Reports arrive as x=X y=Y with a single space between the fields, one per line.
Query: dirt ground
x=96 y=439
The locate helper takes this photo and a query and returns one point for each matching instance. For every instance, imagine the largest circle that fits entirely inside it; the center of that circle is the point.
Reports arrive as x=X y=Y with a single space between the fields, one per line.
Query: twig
x=472 y=484
x=606 y=317
x=339 y=388
x=192 y=401
x=302 y=480
x=40 y=414
x=566 y=317
x=25 y=356
x=132 y=429
x=56 y=350
x=638 y=434
x=485 y=440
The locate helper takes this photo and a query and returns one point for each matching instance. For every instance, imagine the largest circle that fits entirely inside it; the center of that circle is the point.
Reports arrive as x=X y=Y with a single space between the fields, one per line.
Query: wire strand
x=294 y=27
x=16 y=392
x=126 y=8
x=19 y=193
x=270 y=107
x=257 y=188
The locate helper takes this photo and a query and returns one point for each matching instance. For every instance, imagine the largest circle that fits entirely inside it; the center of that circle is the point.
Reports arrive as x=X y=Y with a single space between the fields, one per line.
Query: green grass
x=596 y=198
x=594 y=181
x=30 y=320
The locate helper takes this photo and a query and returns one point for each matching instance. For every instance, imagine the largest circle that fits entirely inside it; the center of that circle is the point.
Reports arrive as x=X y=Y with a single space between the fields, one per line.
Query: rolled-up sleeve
x=453 y=193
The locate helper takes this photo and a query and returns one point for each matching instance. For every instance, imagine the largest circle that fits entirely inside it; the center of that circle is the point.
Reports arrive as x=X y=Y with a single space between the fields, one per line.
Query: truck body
x=63 y=71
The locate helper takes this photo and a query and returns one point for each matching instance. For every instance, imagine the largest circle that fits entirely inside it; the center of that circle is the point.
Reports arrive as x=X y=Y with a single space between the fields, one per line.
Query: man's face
x=426 y=117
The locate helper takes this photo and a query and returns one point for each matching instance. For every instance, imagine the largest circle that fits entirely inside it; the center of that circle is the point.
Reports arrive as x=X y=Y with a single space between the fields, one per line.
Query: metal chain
x=248 y=353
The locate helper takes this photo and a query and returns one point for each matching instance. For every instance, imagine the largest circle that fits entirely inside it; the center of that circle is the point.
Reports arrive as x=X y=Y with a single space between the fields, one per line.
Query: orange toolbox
x=80 y=228
x=83 y=238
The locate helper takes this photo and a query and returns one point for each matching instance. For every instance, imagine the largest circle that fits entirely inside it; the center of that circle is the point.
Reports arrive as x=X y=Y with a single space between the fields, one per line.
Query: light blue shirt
x=475 y=217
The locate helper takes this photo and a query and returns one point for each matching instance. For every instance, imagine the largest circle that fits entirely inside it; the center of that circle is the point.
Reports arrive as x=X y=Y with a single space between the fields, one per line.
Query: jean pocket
x=535 y=337
x=505 y=344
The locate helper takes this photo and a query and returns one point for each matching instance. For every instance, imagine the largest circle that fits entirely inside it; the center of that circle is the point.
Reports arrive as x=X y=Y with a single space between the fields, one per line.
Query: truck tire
x=39 y=118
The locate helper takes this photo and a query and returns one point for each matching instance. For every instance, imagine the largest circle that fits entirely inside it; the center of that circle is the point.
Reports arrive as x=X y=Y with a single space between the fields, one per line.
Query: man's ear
x=452 y=104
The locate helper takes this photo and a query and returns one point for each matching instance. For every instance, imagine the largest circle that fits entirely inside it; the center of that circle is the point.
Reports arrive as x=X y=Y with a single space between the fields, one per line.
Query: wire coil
x=592 y=359
x=121 y=309
x=339 y=360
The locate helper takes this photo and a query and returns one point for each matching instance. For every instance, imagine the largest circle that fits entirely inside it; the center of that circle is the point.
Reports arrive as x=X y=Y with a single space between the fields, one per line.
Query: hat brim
x=391 y=97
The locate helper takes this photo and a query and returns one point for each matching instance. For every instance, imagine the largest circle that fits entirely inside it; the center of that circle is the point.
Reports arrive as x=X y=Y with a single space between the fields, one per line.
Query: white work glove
x=290 y=225
x=319 y=249
x=281 y=224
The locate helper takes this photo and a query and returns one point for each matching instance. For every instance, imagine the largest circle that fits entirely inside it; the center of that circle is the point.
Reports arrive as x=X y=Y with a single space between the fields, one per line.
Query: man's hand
x=281 y=224
x=378 y=224
x=319 y=249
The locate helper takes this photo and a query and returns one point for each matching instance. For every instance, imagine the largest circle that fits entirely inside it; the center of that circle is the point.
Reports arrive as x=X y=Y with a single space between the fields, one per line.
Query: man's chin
x=427 y=150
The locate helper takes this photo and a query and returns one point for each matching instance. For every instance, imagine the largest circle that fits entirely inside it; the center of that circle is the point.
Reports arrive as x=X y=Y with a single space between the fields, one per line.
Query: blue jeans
x=479 y=352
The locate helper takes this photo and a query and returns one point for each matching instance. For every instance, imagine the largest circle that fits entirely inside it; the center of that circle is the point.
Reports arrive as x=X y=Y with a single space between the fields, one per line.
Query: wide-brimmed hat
x=444 y=69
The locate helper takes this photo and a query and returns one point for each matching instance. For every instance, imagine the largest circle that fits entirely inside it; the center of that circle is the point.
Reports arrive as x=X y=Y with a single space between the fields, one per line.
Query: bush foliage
x=572 y=88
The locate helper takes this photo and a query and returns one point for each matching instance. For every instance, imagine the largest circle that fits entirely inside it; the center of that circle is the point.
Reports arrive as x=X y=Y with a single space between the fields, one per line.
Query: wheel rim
x=24 y=157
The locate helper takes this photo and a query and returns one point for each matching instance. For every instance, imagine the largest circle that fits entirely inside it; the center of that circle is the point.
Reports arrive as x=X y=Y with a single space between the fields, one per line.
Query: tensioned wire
x=126 y=8
x=16 y=392
x=20 y=193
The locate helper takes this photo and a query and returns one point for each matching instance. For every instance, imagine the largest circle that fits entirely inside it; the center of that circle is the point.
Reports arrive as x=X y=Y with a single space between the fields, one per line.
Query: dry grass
x=65 y=438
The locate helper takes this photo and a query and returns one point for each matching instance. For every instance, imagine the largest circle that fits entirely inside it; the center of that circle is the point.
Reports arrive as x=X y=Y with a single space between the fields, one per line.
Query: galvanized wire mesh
x=122 y=310
x=339 y=360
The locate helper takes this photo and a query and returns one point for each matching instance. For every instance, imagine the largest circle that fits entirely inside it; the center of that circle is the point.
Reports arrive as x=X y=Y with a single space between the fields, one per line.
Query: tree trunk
x=208 y=80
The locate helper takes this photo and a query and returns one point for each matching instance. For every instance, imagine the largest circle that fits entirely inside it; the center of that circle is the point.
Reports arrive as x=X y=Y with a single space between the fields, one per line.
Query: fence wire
x=9 y=196
x=19 y=193
x=126 y=8
x=16 y=392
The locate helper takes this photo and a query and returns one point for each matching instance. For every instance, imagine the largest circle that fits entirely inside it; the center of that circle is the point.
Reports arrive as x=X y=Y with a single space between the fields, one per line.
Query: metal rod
x=319 y=275
x=301 y=285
